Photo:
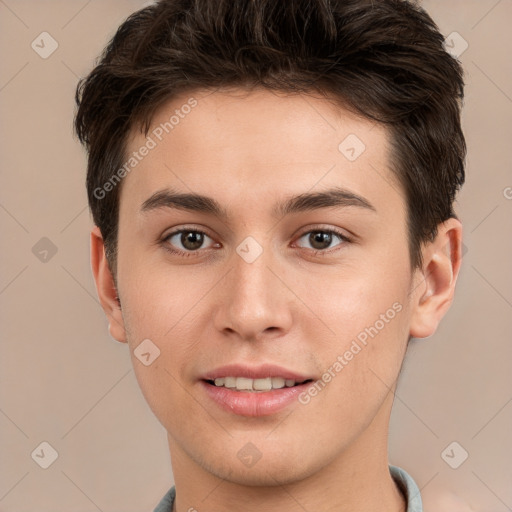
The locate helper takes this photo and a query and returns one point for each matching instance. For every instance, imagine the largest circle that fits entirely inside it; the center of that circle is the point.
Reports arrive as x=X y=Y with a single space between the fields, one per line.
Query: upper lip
x=255 y=372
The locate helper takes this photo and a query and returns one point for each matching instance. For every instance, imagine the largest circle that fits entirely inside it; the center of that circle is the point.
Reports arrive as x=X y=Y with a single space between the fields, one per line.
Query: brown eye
x=186 y=240
x=191 y=240
x=321 y=239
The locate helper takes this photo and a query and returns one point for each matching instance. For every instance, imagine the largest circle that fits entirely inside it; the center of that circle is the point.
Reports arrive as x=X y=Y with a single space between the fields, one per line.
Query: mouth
x=246 y=384
x=254 y=391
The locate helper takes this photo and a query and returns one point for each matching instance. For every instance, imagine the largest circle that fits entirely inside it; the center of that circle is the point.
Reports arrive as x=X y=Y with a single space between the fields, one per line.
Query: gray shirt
x=405 y=483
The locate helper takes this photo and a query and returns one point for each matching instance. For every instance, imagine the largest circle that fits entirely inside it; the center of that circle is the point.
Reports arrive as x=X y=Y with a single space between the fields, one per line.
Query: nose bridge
x=251 y=274
x=253 y=299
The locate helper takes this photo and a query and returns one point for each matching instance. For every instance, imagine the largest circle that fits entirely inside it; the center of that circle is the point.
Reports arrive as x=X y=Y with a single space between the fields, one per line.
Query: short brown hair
x=384 y=60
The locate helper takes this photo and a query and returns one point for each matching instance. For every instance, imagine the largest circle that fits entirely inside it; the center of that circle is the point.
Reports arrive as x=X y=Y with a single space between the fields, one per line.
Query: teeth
x=277 y=382
x=245 y=384
x=230 y=382
x=262 y=384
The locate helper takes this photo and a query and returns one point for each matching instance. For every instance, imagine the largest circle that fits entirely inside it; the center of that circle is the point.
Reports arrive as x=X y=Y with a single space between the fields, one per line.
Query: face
x=289 y=275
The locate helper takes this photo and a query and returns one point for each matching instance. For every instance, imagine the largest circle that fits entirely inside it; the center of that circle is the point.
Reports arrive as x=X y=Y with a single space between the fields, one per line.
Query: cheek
x=157 y=301
x=368 y=317
x=156 y=308
x=356 y=302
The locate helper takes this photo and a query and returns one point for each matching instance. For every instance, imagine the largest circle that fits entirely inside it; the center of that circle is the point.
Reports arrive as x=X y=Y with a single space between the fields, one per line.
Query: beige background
x=64 y=381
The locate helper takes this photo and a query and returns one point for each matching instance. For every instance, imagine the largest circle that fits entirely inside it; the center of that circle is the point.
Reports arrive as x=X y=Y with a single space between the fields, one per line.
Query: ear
x=434 y=283
x=105 y=287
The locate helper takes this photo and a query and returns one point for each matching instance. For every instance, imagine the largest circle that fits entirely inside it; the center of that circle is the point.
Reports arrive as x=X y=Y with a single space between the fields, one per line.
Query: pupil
x=320 y=240
x=192 y=240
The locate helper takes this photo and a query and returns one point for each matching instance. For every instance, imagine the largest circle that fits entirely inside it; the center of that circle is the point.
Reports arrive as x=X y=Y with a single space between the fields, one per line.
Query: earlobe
x=105 y=287
x=434 y=286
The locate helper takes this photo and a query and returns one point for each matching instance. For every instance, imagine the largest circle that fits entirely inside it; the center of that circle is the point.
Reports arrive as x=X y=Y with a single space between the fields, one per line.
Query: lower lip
x=246 y=403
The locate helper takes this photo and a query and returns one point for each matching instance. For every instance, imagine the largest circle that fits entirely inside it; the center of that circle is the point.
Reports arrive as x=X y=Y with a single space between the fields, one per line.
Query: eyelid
x=194 y=228
x=187 y=229
x=326 y=229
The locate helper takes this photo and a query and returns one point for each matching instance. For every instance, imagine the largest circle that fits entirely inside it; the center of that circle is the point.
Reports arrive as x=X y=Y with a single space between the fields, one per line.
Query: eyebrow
x=332 y=198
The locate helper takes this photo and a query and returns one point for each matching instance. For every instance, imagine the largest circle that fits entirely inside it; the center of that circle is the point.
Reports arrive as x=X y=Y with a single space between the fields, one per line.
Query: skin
x=290 y=307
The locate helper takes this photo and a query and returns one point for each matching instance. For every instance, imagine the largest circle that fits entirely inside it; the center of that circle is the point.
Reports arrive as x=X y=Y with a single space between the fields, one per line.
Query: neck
x=357 y=480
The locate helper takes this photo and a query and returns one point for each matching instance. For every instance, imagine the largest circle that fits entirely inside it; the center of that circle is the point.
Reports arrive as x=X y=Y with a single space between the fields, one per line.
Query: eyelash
x=315 y=252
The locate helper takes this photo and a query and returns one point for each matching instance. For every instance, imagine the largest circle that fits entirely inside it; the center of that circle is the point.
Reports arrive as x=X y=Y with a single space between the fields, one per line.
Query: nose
x=253 y=299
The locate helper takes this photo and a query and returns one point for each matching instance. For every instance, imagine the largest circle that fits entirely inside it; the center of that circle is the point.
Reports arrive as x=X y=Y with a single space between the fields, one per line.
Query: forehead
x=244 y=147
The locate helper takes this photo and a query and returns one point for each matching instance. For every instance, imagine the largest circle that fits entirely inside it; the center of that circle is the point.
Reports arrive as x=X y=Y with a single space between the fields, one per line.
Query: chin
x=268 y=468
x=264 y=476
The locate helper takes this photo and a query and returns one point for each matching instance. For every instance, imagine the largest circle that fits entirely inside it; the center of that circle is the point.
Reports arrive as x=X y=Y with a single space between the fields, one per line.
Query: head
x=250 y=104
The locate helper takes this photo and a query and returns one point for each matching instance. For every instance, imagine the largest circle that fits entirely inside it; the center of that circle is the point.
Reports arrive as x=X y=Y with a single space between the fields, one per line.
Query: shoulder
x=432 y=499
x=165 y=504
x=408 y=487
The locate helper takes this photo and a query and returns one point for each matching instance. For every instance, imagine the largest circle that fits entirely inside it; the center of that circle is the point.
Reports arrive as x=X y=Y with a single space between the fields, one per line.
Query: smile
x=254 y=385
